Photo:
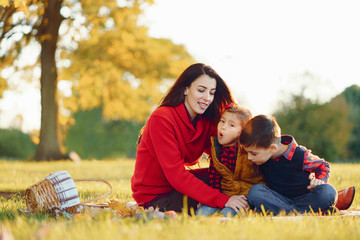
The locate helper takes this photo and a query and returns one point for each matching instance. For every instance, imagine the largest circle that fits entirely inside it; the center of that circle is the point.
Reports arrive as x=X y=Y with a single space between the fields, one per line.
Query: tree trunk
x=50 y=145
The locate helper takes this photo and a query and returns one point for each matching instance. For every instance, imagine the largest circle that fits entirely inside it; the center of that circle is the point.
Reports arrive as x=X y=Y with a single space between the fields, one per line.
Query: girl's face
x=228 y=129
x=199 y=95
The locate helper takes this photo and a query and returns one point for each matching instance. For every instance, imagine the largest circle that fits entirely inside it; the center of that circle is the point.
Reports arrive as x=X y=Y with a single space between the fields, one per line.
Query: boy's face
x=259 y=155
x=228 y=129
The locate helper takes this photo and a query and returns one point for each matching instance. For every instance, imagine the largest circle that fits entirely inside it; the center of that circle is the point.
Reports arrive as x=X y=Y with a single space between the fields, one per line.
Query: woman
x=176 y=135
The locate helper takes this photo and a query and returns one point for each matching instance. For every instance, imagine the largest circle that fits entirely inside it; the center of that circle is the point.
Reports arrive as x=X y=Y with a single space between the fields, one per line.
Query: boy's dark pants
x=322 y=197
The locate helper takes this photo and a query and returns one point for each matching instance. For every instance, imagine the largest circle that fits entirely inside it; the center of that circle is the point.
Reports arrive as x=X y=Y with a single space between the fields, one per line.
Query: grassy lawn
x=16 y=176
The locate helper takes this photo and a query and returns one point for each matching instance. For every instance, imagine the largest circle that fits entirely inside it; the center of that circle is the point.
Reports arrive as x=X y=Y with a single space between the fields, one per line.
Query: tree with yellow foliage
x=119 y=66
x=21 y=4
x=40 y=22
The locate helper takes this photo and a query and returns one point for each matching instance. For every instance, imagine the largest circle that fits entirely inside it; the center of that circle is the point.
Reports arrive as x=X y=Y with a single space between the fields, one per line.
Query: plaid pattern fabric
x=227 y=157
x=312 y=163
x=319 y=166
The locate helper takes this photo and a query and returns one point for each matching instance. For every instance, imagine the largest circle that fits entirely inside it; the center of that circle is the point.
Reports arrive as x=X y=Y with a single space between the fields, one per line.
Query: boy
x=229 y=170
x=297 y=179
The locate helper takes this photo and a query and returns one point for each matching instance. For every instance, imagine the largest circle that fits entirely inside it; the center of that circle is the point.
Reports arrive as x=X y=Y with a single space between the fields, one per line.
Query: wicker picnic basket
x=58 y=191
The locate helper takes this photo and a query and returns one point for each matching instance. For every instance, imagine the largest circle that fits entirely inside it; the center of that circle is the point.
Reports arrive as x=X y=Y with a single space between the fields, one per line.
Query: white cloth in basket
x=65 y=189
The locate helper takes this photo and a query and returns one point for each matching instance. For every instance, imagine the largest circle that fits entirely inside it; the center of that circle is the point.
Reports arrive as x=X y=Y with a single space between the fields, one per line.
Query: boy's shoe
x=345 y=198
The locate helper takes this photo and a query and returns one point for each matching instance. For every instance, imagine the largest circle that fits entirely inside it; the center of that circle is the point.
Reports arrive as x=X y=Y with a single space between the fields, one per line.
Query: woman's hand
x=237 y=202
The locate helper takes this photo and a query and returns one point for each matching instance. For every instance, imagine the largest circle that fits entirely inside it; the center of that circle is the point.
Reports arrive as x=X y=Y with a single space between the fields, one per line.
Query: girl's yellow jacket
x=245 y=176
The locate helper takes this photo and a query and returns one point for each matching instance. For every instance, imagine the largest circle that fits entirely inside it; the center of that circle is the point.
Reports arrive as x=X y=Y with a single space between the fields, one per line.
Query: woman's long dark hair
x=176 y=96
x=222 y=97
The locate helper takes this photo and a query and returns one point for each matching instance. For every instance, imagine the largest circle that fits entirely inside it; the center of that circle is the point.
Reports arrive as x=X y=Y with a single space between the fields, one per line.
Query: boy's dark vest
x=287 y=177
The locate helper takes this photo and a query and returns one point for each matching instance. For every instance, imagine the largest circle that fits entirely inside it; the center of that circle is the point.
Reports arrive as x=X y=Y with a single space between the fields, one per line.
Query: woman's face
x=199 y=95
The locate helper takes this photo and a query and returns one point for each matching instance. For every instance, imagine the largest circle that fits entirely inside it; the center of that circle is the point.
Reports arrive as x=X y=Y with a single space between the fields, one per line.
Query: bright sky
x=259 y=47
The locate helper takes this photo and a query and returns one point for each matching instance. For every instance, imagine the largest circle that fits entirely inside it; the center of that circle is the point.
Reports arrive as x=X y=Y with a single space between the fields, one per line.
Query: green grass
x=17 y=176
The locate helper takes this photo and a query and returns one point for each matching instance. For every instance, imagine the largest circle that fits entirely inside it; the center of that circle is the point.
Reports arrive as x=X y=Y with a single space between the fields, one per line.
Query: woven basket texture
x=58 y=191
x=44 y=197
x=41 y=197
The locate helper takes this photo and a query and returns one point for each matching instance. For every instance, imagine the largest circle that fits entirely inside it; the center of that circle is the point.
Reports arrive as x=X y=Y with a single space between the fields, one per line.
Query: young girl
x=230 y=171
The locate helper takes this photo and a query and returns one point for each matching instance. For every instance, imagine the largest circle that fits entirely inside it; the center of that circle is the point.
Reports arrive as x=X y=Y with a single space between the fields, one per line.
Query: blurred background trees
x=324 y=128
x=109 y=58
x=115 y=74
x=94 y=137
x=352 y=97
x=330 y=130
x=39 y=23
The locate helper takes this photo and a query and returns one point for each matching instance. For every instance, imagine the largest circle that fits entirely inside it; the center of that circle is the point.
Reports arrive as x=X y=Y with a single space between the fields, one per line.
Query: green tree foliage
x=15 y=144
x=95 y=137
x=352 y=96
x=323 y=128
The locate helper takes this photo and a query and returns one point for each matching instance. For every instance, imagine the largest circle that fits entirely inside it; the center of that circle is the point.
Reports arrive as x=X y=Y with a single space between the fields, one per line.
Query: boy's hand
x=314 y=182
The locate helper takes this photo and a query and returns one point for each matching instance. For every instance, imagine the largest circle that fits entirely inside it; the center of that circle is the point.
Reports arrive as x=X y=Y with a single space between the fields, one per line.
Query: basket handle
x=96 y=180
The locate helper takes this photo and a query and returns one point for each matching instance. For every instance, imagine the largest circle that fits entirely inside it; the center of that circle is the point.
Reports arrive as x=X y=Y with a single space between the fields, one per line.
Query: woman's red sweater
x=168 y=144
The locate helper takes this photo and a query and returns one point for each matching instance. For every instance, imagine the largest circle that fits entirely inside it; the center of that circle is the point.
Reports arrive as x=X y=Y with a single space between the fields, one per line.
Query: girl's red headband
x=229 y=105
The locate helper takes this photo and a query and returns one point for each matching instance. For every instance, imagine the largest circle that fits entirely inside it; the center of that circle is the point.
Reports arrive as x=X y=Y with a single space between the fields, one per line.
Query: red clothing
x=168 y=144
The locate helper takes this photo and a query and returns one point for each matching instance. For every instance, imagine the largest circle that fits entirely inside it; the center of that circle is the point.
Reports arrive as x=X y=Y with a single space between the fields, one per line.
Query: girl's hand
x=314 y=182
x=237 y=202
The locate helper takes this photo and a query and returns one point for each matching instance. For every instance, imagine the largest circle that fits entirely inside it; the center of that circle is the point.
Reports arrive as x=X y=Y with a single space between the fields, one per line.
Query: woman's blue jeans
x=322 y=197
x=206 y=211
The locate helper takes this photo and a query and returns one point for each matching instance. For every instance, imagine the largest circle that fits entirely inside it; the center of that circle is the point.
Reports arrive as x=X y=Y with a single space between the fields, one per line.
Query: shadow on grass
x=10 y=195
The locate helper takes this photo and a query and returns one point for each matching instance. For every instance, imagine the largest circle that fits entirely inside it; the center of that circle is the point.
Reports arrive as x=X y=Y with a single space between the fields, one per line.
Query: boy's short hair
x=260 y=131
x=242 y=113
